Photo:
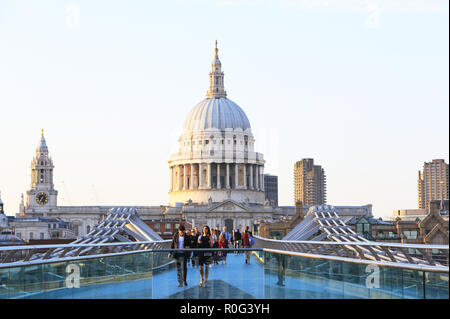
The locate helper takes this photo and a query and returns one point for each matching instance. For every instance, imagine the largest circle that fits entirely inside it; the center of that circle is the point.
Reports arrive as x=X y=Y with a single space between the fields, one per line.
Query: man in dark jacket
x=194 y=238
x=180 y=241
x=237 y=240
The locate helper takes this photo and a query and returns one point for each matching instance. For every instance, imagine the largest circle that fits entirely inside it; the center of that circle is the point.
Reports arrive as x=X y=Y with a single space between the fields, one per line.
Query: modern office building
x=271 y=189
x=433 y=183
x=309 y=183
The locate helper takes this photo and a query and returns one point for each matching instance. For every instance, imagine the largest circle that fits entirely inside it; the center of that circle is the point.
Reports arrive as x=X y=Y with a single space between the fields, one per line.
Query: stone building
x=42 y=228
x=216 y=160
x=3 y=218
x=433 y=183
x=309 y=183
x=431 y=228
x=216 y=177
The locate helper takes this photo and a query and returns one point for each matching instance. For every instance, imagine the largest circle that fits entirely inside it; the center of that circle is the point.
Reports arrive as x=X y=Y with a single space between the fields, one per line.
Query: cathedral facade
x=216 y=178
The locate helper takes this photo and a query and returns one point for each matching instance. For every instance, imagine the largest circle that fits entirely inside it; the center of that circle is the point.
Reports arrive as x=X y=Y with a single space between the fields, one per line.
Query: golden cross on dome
x=42 y=132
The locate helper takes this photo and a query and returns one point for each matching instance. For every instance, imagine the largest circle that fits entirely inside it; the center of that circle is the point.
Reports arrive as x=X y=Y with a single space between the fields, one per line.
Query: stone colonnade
x=217 y=176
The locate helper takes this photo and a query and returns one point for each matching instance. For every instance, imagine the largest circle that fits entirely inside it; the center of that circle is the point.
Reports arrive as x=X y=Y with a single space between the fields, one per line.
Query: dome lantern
x=216 y=77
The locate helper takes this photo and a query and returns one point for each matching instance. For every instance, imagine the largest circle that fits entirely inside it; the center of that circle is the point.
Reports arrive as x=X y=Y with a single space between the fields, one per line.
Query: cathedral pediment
x=228 y=206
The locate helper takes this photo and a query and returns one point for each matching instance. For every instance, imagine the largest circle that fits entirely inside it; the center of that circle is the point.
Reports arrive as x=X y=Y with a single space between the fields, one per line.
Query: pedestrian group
x=207 y=238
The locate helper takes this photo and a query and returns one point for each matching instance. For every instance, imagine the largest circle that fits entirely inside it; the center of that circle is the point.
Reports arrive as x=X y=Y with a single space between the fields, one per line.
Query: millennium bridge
x=321 y=257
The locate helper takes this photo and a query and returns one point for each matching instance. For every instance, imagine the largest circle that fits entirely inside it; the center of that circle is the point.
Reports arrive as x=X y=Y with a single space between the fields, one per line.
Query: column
x=184 y=177
x=257 y=177
x=245 y=176
x=236 y=173
x=180 y=180
x=218 y=176
x=171 y=178
x=208 y=176
x=251 y=176
x=227 y=179
x=262 y=177
x=191 y=181
x=200 y=177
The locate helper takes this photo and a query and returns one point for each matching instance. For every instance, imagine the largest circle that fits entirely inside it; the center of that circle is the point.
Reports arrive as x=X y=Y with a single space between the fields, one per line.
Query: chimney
x=434 y=206
x=299 y=210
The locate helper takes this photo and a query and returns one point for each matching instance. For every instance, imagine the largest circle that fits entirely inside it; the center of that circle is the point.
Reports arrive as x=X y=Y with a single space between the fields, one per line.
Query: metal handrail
x=362 y=261
x=368 y=243
x=8 y=248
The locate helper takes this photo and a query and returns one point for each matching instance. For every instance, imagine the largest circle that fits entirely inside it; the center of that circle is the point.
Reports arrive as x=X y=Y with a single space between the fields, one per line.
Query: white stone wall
x=217 y=196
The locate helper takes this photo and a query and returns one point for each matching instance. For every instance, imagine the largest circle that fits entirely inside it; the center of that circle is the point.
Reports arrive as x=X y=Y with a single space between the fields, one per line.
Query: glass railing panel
x=411 y=284
x=297 y=277
x=436 y=285
x=140 y=276
x=228 y=277
x=118 y=277
x=23 y=282
x=16 y=282
x=4 y=283
x=59 y=280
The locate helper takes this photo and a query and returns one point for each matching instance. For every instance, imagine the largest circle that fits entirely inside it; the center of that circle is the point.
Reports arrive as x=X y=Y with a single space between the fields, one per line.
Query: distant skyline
x=360 y=86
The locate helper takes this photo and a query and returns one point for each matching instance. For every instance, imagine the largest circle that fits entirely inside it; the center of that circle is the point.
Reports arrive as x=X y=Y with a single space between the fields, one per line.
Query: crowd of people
x=207 y=238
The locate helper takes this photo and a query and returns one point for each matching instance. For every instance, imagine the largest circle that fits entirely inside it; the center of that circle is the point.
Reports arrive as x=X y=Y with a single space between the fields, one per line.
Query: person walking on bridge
x=246 y=243
x=195 y=234
x=237 y=240
x=227 y=243
x=205 y=257
x=223 y=243
x=180 y=241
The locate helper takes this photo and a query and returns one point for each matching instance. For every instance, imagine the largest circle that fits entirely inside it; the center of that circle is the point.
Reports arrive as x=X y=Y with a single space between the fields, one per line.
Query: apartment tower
x=309 y=183
x=432 y=183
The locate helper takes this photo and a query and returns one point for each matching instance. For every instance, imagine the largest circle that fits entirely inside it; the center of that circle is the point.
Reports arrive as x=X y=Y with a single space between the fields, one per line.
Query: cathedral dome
x=216 y=113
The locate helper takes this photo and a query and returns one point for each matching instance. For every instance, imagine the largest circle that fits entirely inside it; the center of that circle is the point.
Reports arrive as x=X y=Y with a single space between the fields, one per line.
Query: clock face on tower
x=42 y=198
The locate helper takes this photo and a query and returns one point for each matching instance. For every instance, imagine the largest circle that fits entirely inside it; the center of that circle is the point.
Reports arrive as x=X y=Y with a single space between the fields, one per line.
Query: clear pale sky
x=360 y=86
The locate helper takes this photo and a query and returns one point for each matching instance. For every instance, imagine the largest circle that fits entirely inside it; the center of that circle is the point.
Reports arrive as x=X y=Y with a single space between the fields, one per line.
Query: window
x=177 y=225
x=206 y=142
x=167 y=226
x=410 y=234
x=19 y=235
x=359 y=228
x=156 y=226
x=366 y=228
x=42 y=235
x=31 y=235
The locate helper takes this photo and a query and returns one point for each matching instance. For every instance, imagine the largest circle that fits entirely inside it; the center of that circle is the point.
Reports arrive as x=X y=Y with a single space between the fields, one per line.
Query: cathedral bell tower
x=41 y=198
